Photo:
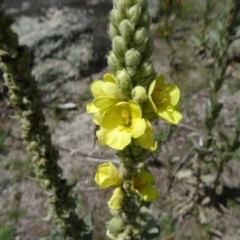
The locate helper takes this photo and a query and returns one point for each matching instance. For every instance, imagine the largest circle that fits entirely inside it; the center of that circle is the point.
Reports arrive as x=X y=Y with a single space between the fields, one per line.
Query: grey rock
x=62 y=46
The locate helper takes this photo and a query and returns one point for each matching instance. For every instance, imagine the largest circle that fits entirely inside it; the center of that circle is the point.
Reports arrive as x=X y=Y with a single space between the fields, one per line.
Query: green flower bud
x=42 y=162
x=114 y=18
x=113 y=212
x=133 y=14
x=46 y=183
x=132 y=58
x=146 y=69
x=26 y=125
x=7 y=79
x=15 y=99
x=115 y=226
x=126 y=29
x=139 y=94
x=140 y=48
x=35 y=159
x=119 y=47
x=33 y=146
x=145 y=74
x=26 y=101
x=139 y=36
x=113 y=31
x=124 y=80
x=114 y=63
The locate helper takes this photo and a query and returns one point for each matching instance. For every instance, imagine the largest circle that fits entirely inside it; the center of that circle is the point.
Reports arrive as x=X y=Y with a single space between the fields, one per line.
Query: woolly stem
x=24 y=96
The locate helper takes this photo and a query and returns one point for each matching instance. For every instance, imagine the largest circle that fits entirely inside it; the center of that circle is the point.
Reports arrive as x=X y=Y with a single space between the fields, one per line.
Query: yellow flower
x=142 y=185
x=105 y=94
x=120 y=123
x=163 y=100
x=146 y=140
x=116 y=200
x=107 y=175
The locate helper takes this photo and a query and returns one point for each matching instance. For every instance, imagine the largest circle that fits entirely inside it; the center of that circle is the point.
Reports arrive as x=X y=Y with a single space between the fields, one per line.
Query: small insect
x=95 y=133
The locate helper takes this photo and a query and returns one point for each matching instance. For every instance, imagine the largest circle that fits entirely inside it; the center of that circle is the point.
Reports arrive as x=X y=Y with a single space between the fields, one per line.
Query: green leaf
x=7 y=233
x=87 y=231
x=151 y=229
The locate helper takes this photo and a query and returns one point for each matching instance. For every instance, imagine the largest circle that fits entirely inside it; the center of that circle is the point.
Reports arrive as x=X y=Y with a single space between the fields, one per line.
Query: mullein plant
x=167 y=27
x=24 y=96
x=216 y=148
x=126 y=102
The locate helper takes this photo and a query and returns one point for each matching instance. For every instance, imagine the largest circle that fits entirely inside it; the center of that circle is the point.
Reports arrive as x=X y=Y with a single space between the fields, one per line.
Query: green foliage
x=167 y=226
x=16 y=213
x=150 y=228
x=7 y=233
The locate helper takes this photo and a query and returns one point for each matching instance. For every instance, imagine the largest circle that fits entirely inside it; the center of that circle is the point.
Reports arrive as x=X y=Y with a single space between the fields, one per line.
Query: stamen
x=126 y=116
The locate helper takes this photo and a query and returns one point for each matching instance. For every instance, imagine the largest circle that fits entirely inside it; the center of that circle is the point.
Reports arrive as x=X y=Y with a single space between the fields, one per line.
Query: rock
x=62 y=46
x=63 y=35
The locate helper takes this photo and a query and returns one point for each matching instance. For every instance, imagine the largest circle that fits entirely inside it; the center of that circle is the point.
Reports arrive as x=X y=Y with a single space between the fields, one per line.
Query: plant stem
x=24 y=96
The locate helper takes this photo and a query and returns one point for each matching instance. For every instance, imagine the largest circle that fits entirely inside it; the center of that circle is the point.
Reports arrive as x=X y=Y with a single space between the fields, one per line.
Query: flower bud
x=33 y=146
x=119 y=47
x=139 y=36
x=139 y=94
x=115 y=226
x=123 y=79
x=133 y=14
x=132 y=58
x=15 y=99
x=141 y=48
x=114 y=63
x=116 y=200
x=146 y=72
x=46 y=183
x=114 y=18
x=113 y=31
x=126 y=29
x=107 y=175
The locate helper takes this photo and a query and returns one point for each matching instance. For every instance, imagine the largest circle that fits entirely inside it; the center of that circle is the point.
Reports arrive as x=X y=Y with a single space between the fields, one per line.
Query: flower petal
x=170 y=114
x=174 y=93
x=116 y=200
x=109 y=78
x=96 y=88
x=91 y=108
x=136 y=111
x=104 y=102
x=138 y=127
x=107 y=175
x=146 y=140
x=114 y=138
x=148 y=194
x=142 y=185
x=110 y=89
x=112 y=118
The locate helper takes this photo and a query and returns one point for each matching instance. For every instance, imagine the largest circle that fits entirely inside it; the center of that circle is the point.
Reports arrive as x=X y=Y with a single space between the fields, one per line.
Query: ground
x=22 y=202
